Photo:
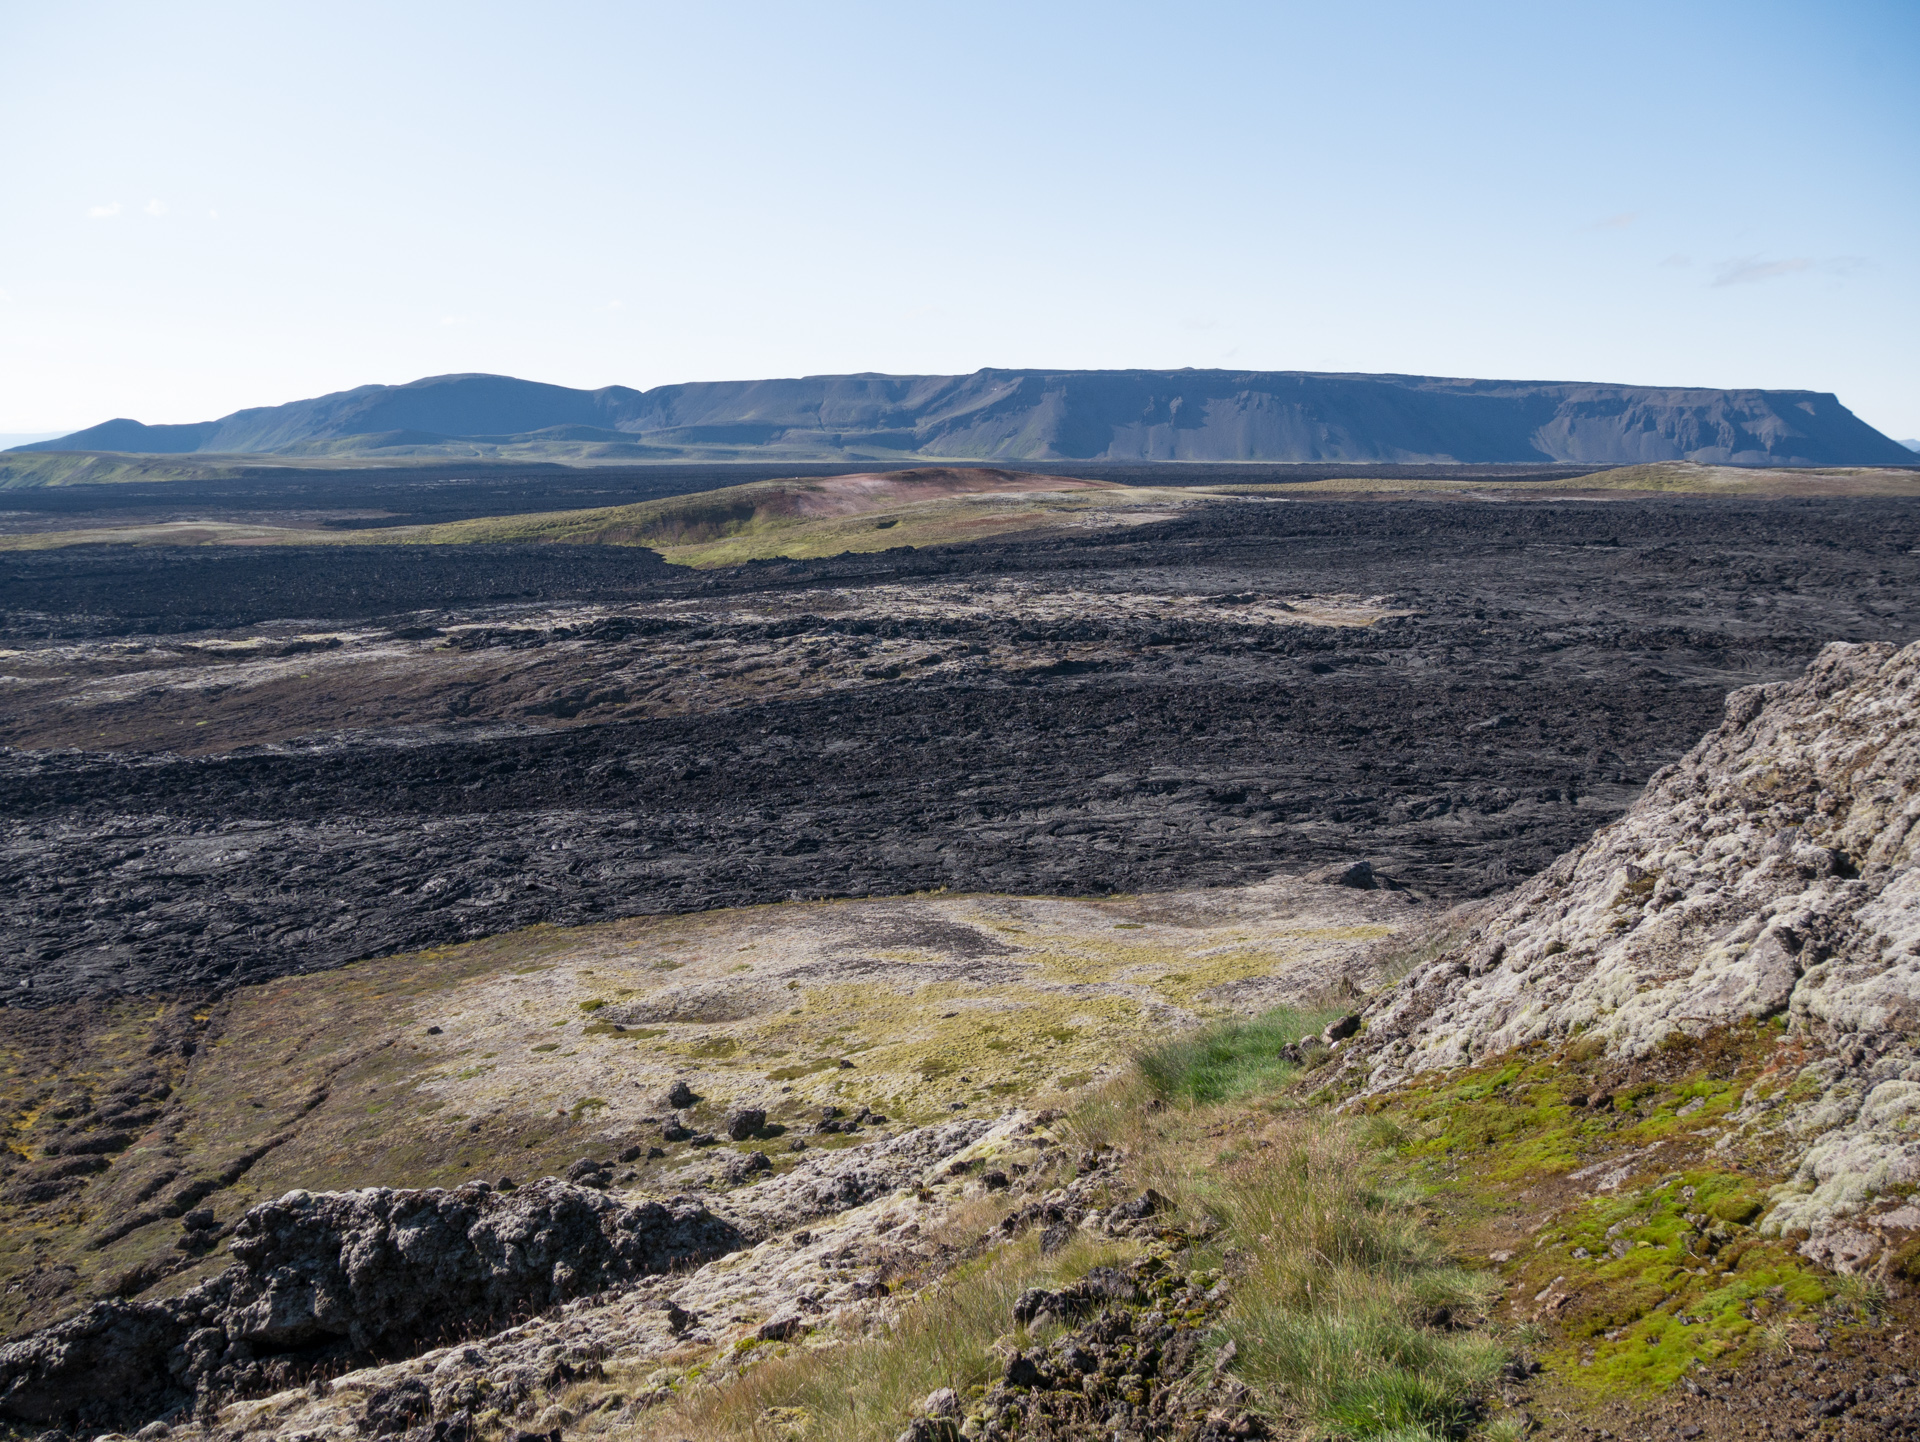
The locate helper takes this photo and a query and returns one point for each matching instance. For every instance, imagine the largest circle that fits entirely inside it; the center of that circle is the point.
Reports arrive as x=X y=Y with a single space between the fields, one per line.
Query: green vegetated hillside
x=800 y=517
x=830 y=516
x=25 y=469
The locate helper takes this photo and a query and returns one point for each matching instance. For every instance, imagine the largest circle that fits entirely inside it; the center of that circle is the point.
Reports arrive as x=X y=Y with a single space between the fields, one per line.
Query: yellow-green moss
x=1641 y=1283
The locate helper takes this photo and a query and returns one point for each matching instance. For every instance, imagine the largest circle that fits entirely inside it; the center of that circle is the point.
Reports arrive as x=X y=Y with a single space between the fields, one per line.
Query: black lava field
x=1553 y=655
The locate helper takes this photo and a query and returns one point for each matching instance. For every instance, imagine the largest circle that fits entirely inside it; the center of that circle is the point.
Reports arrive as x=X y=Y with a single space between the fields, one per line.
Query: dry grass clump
x=1347 y=1315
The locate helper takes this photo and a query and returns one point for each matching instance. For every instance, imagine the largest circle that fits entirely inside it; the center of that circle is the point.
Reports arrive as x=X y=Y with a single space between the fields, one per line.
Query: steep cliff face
x=1769 y=874
x=1185 y=415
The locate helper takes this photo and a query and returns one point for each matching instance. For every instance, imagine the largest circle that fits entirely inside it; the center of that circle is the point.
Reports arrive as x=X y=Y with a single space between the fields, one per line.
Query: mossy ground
x=1621 y=1210
x=1613 y=1212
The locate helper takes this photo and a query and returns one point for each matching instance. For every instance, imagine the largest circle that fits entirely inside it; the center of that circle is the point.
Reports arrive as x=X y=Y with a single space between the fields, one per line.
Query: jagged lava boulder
x=1769 y=871
x=349 y=1274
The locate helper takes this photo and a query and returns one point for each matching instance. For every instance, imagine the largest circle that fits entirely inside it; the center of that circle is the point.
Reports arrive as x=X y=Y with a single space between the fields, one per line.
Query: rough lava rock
x=319 y=1276
x=1769 y=872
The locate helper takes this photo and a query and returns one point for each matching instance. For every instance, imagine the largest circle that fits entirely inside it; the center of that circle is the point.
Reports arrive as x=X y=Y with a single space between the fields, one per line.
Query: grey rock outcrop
x=873 y=1212
x=1768 y=873
x=319 y=1276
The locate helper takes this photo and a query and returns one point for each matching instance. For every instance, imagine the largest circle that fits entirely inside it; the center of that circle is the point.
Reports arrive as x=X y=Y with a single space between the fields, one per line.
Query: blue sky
x=210 y=206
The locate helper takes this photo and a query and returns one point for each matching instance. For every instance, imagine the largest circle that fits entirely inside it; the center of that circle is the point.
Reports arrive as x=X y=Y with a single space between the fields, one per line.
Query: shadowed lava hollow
x=1084 y=724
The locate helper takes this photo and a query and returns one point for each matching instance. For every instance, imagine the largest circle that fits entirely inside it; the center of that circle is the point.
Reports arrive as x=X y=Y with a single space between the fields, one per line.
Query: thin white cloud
x=1676 y=262
x=1616 y=222
x=154 y=207
x=1751 y=270
x=104 y=212
x=213 y=215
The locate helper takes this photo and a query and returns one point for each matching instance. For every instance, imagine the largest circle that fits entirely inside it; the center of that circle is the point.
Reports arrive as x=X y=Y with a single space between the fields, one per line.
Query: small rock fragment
x=1147 y=1204
x=1021 y=1371
x=680 y=1096
x=589 y=1173
x=750 y=1165
x=1358 y=875
x=783 y=1328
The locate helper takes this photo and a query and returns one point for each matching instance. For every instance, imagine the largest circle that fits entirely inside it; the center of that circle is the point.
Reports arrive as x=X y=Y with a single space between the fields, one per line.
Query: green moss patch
x=1636 y=1279
x=1659 y=1280
x=800 y=1069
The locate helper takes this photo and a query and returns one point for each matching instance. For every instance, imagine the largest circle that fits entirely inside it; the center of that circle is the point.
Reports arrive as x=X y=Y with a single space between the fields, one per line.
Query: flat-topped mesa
x=1014 y=415
x=1769 y=873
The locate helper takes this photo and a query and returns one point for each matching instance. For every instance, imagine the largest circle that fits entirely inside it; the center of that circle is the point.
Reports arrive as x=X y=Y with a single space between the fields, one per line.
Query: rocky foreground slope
x=1768 y=874
x=323 y=1282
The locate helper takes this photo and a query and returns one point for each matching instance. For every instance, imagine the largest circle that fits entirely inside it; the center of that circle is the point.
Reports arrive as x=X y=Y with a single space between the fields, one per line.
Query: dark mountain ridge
x=1038 y=415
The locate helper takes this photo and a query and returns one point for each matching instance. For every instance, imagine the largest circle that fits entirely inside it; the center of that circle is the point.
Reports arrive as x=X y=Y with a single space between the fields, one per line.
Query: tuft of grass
x=1349 y=1318
x=1352 y=1312
x=1230 y=1058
